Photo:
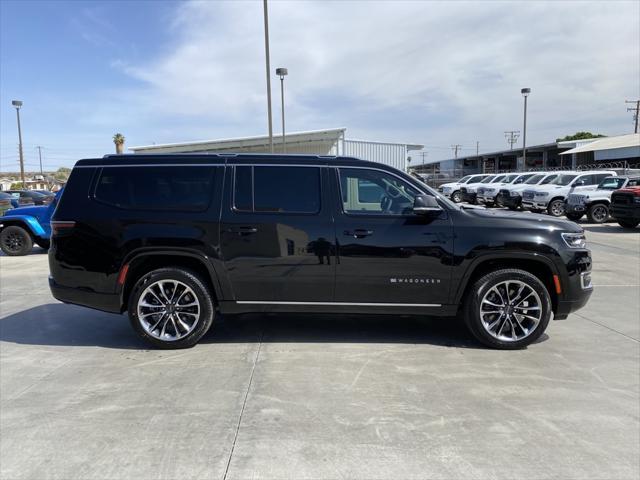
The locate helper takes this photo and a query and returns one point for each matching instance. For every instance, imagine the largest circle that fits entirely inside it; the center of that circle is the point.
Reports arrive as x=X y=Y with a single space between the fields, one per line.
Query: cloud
x=431 y=72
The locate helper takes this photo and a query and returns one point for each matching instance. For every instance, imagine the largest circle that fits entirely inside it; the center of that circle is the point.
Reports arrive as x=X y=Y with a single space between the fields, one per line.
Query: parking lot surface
x=321 y=397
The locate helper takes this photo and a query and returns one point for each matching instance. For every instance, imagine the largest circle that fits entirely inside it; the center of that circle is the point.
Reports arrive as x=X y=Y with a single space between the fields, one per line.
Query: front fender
x=28 y=222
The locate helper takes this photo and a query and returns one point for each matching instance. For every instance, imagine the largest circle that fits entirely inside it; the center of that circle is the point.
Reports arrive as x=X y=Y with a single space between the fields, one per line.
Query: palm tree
x=118 y=139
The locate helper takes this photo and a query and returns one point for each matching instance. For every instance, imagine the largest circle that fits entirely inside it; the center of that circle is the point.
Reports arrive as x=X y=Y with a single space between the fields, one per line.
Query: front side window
x=374 y=192
x=562 y=179
x=611 y=183
x=156 y=188
x=277 y=189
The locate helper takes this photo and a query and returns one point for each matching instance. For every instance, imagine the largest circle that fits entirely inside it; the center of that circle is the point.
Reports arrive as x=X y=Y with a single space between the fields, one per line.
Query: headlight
x=542 y=194
x=575 y=240
x=636 y=199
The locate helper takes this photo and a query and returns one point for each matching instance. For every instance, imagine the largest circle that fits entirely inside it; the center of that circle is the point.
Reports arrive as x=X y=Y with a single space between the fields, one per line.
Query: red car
x=625 y=206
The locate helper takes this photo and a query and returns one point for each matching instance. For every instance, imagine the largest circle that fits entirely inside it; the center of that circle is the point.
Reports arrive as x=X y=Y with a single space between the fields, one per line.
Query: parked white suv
x=452 y=190
x=470 y=190
x=551 y=197
x=491 y=194
x=511 y=195
x=595 y=201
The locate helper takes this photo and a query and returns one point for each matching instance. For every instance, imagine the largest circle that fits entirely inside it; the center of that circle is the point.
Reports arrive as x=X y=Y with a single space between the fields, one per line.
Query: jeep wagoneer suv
x=175 y=239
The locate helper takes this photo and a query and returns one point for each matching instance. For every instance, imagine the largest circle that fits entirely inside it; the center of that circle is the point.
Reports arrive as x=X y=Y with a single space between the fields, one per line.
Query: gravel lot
x=321 y=397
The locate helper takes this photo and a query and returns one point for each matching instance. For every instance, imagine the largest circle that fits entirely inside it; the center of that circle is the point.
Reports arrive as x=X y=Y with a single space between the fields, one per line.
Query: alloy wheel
x=600 y=213
x=510 y=311
x=13 y=242
x=168 y=310
x=557 y=208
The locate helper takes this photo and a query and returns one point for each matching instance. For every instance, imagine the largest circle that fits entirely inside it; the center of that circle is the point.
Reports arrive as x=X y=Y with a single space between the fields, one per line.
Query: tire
x=456 y=196
x=177 y=330
x=512 y=331
x=598 y=213
x=628 y=223
x=574 y=216
x=556 y=208
x=15 y=241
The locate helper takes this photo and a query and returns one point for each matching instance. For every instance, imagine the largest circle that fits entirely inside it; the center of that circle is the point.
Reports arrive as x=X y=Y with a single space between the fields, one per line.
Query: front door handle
x=243 y=230
x=358 y=233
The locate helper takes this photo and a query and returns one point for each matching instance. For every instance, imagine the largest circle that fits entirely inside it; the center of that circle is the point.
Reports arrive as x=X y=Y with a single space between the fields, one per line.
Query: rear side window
x=277 y=189
x=156 y=188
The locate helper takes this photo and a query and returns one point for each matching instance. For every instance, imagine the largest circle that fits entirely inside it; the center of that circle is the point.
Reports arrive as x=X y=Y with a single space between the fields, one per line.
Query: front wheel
x=171 y=308
x=556 y=208
x=574 y=216
x=456 y=197
x=508 y=309
x=598 y=213
x=15 y=241
x=628 y=223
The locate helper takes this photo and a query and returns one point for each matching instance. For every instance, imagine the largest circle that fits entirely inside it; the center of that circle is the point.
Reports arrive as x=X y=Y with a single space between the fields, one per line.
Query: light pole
x=282 y=72
x=268 y=64
x=18 y=104
x=525 y=93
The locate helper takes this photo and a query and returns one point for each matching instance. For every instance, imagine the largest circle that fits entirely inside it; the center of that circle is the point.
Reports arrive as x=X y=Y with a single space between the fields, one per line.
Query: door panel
x=387 y=254
x=271 y=253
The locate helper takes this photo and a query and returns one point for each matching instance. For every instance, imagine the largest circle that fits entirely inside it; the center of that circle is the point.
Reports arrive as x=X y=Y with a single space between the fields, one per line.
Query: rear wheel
x=556 y=208
x=508 y=309
x=574 y=216
x=171 y=308
x=598 y=213
x=15 y=241
x=628 y=223
x=456 y=196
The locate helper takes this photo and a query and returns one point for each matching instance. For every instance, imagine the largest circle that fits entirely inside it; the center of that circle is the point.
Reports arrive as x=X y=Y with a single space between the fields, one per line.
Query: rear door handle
x=243 y=230
x=358 y=233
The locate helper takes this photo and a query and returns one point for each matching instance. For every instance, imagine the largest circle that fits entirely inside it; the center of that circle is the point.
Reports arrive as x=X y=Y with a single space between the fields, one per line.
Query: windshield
x=562 y=179
x=611 y=183
x=510 y=178
x=549 y=179
x=535 y=179
x=497 y=179
x=488 y=179
x=464 y=179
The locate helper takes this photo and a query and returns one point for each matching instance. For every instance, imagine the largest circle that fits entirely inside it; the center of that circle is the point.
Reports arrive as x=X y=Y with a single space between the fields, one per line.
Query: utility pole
x=455 y=149
x=18 y=104
x=40 y=157
x=635 y=109
x=512 y=137
x=268 y=62
x=477 y=149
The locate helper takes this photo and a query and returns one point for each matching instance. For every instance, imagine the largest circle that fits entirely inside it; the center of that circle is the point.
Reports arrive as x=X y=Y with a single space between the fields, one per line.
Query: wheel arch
x=536 y=264
x=141 y=263
x=19 y=222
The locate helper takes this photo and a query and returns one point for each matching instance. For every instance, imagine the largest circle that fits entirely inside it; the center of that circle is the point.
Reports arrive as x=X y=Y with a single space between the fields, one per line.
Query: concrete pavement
x=321 y=397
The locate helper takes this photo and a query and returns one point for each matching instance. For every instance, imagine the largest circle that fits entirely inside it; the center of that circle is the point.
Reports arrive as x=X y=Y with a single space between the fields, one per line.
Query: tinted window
x=611 y=183
x=278 y=189
x=535 y=179
x=156 y=188
x=243 y=193
x=549 y=179
x=369 y=191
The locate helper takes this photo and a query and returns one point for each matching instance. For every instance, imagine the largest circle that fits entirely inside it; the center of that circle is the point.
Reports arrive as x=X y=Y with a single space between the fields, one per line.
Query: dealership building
x=623 y=150
x=331 y=142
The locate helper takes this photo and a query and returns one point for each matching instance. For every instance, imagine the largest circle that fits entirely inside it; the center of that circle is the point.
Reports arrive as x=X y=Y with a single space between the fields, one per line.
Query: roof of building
x=608 y=143
x=237 y=142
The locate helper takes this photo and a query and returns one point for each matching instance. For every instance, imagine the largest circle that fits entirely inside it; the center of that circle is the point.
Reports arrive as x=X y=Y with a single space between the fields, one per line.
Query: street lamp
x=525 y=93
x=18 y=104
x=282 y=72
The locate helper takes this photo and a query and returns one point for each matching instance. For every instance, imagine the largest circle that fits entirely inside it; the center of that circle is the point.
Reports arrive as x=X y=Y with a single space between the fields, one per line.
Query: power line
x=635 y=109
x=455 y=149
x=512 y=137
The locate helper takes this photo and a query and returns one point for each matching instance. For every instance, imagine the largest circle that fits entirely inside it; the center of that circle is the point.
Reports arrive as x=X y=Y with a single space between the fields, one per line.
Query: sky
x=429 y=72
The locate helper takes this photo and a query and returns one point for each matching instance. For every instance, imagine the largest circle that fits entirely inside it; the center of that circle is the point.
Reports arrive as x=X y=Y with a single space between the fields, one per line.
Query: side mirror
x=426 y=205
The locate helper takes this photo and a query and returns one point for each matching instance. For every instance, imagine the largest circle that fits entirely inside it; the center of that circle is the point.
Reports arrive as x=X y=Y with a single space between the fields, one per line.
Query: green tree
x=118 y=139
x=62 y=174
x=580 y=136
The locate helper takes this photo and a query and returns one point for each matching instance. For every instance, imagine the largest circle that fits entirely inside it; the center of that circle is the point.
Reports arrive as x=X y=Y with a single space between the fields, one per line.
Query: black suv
x=175 y=239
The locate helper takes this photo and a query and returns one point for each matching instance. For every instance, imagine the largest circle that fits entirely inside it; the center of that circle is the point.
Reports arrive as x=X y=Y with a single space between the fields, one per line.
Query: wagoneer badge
x=414 y=280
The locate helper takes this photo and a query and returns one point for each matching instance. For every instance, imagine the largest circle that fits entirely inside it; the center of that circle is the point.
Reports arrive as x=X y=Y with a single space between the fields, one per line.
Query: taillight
x=59 y=227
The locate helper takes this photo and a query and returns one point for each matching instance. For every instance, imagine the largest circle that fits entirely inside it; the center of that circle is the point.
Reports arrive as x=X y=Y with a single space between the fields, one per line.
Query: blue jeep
x=21 y=227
